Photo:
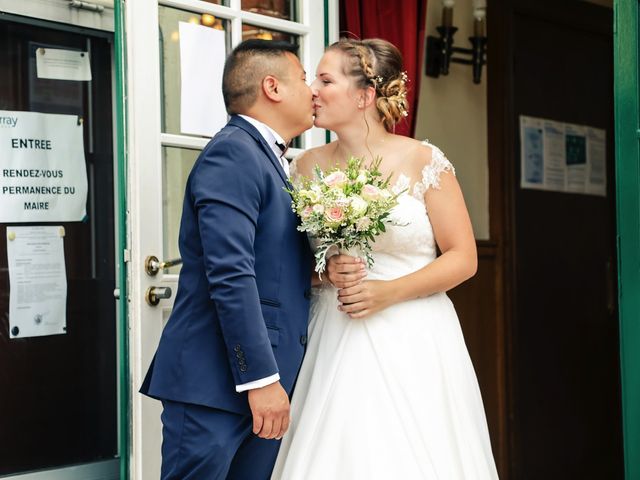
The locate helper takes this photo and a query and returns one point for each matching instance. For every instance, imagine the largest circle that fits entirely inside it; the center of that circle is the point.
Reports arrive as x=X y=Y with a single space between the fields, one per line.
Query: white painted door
x=160 y=157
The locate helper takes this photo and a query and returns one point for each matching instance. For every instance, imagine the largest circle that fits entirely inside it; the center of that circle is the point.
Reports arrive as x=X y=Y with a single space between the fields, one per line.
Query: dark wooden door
x=58 y=394
x=564 y=337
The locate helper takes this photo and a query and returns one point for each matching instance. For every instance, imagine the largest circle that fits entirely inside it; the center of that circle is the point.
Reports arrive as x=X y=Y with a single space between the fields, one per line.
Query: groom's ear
x=270 y=88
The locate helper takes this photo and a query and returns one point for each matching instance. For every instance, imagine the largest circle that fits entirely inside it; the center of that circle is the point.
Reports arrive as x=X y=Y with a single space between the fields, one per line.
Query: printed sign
x=38 y=281
x=43 y=176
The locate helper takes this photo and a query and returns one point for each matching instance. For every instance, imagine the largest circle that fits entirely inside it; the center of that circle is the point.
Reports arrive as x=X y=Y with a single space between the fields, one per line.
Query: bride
x=387 y=389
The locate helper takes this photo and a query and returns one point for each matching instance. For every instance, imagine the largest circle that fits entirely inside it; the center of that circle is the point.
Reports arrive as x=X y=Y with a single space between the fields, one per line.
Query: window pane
x=176 y=165
x=253 y=31
x=284 y=9
x=169 y=19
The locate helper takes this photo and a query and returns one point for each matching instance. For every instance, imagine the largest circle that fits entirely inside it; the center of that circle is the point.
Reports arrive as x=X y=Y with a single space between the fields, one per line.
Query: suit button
x=241 y=362
x=243 y=368
x=236 y=348
x=240 y=355
x=307 y=293
x=303 y=339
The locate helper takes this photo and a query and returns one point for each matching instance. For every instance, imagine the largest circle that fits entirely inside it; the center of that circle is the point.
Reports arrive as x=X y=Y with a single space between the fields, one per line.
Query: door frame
x=627 y=126
x=120 y=151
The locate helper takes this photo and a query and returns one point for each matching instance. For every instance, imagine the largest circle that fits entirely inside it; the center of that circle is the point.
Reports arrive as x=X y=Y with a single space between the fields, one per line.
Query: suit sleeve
x=226 y=195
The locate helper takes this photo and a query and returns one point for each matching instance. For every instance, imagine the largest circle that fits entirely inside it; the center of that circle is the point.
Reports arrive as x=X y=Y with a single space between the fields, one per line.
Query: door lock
x=152 y=265
x=153 y=295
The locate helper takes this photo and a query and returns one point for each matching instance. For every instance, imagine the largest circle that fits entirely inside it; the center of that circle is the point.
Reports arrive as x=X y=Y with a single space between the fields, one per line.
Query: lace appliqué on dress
x=293 y=167
x=431 y=173
x=401 y=185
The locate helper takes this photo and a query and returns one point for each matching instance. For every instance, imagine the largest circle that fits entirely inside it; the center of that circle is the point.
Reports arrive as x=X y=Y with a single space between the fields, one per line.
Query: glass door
x=161 y=153
x=58 y=407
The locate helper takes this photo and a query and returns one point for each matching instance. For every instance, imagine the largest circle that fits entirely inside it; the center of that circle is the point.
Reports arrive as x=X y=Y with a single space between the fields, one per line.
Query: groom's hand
x=345 y=271
x=270 y=410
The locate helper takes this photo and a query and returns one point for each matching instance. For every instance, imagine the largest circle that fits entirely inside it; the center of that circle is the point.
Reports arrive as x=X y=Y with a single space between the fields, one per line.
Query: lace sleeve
x=431 y=172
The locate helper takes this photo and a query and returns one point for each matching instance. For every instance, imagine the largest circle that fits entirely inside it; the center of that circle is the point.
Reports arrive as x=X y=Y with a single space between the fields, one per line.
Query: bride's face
x=335 y=97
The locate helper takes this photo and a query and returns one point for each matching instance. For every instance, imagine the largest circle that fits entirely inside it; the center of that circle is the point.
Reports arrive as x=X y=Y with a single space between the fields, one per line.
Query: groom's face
x=297 y=103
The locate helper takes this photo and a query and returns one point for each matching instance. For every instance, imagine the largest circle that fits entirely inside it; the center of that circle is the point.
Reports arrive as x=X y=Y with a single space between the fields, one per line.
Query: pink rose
x=334 y=214
x=335 y=179
x=306 y=213
x=370 y=193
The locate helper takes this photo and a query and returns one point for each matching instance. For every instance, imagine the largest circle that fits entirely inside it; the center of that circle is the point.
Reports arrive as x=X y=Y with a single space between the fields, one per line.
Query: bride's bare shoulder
x=307 y=160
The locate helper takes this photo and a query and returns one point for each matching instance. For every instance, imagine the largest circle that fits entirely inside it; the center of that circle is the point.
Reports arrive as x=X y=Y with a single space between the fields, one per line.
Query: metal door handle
x=153 y=295
x=152 y=265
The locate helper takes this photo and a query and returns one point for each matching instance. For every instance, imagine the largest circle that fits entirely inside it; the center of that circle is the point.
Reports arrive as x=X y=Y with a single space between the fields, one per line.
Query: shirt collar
x=268 y=133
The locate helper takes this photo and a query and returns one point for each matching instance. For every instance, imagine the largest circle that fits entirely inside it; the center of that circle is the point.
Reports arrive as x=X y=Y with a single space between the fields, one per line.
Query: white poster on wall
x=202 y=56
x=43 y=176
x=37 y=281
x=562 y=157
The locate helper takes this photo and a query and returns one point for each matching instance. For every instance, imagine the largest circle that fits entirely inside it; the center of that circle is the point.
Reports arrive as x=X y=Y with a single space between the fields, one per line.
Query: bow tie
x=283 y=148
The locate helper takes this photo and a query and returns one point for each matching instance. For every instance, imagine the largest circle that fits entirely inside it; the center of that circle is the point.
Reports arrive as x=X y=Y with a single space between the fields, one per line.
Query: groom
x=230 y=352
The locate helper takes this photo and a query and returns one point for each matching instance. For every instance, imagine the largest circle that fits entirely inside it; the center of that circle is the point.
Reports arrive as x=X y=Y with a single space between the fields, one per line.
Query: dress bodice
x=408 y=243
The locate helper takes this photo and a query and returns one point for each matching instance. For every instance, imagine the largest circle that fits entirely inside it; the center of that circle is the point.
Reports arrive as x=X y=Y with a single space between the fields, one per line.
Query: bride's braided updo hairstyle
x=377 y=63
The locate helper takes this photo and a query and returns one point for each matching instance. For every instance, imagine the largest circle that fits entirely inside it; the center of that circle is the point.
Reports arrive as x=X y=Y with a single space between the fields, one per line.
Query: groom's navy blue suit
x=241 y=308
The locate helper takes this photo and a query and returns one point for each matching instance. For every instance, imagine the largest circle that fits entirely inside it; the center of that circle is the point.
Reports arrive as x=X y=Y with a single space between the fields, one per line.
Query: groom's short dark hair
x=246 y=66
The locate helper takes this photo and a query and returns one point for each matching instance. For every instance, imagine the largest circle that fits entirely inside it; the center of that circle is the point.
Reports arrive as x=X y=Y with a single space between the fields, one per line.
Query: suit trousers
x=203 y=443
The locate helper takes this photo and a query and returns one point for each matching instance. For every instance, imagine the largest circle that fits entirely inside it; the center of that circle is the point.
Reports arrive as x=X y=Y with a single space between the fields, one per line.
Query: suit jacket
x=242 y=305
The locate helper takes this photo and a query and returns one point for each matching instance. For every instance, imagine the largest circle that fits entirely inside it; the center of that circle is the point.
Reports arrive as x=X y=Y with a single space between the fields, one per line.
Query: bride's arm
x=458 y=262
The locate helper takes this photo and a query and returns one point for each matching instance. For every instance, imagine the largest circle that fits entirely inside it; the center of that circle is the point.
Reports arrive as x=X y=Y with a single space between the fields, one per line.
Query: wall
x=452 y=114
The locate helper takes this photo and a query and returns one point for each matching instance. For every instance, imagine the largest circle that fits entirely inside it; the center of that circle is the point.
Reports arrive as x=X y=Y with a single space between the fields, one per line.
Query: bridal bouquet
x=343 y=208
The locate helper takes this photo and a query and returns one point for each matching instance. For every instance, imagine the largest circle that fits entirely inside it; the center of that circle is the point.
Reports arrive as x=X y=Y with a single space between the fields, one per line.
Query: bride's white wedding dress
x=394 y=395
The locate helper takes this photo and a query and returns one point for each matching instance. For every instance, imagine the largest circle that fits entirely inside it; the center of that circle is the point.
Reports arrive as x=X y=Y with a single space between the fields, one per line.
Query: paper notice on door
x=555 y=156
x=562 y=157
x=43 y=174
x=59 y=64
x=202 y=57
x=576 y=151
x=532 y=155
x=37 y=281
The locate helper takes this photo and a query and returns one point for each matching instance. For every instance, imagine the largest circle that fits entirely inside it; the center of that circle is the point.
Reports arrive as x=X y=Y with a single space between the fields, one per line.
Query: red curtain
x=401 y=23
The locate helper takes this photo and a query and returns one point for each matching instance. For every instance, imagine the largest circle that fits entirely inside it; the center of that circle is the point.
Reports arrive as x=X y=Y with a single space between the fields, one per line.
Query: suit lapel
x=251 y=130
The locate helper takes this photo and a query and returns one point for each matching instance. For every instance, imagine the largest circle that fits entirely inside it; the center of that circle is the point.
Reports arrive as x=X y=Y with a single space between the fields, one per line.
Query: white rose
x=315 y=194
x=358 y=205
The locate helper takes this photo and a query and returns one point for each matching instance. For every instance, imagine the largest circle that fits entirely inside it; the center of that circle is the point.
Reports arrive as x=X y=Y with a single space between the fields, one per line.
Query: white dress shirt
x=271 y=137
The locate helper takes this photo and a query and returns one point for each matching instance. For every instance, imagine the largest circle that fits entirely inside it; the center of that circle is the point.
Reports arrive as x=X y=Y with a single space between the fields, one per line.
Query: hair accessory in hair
x=377 y=80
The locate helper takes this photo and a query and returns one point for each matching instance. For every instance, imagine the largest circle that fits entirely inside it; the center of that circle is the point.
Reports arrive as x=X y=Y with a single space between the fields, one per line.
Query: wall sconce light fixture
x=440 y=50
